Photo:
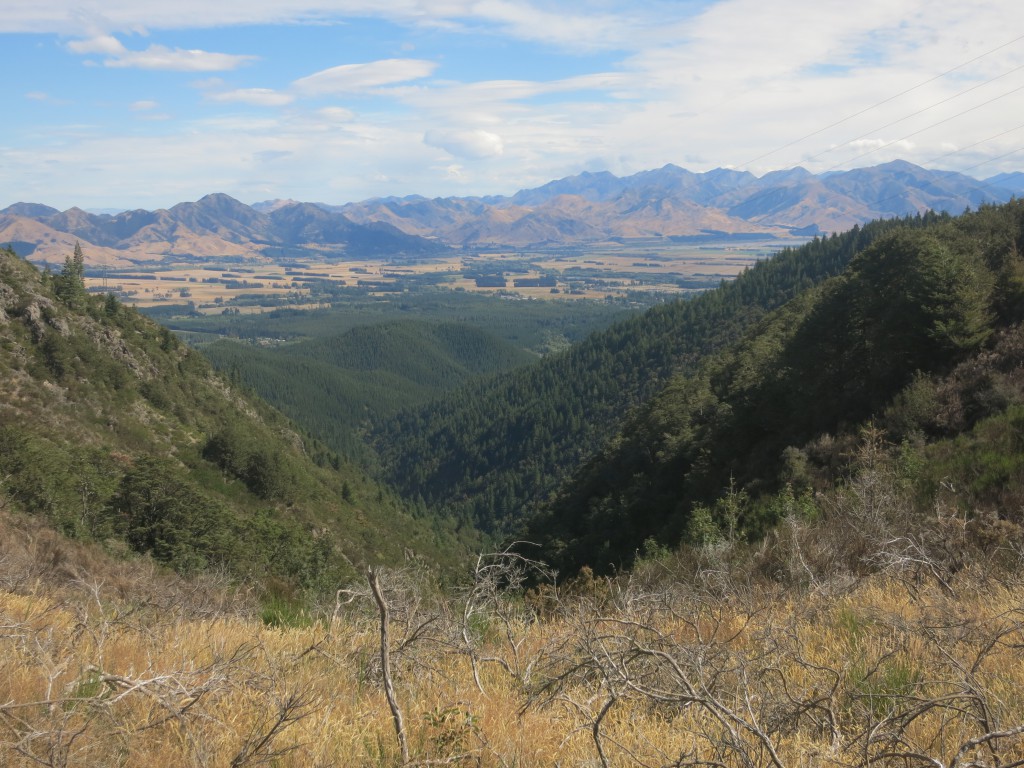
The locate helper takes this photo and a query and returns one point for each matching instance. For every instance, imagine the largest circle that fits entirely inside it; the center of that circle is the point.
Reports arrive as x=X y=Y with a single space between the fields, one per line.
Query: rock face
x=7 y=301
x=33 y=316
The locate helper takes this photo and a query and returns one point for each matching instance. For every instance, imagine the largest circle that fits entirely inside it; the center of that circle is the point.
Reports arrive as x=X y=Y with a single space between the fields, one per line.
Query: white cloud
x=447 y=95
x=177 y=59
x=762 y=92
x=589 y=30
x=103 y=44
x=270 y=155
x=157 y=56
x=580 y=24
x=350 y=78
x=208 y=83
x=875 y=150
x=145 y=105
x=476 y=144
x=870 y=145
x=259 y=97
x=336 y=114
x=297 y=155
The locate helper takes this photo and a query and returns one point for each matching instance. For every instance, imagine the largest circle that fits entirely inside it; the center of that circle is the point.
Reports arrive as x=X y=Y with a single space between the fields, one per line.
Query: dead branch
x=385 y=662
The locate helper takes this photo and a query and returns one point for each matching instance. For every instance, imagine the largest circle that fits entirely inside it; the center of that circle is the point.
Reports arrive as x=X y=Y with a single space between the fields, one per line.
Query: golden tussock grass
x=651 y=674
x=872 y=677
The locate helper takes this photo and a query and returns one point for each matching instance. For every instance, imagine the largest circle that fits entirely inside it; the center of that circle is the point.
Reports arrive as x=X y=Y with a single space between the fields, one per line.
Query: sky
x=121 y=104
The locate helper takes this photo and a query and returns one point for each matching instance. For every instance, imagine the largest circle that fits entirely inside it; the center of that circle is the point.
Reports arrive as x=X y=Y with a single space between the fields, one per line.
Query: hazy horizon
x=127 y=105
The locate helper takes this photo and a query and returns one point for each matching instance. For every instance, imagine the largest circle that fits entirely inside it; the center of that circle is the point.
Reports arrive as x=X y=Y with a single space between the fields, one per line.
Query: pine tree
x=69 y=285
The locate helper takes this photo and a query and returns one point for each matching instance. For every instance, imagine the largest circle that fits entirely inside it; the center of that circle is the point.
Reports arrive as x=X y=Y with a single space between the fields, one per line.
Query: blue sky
x=141 y=104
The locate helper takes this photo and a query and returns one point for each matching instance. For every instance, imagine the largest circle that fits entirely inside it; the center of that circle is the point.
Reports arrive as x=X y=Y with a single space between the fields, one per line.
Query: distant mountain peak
x=899 y=163
x=267 y=206
x=218 y=200
x=671 y=201
x=29 y=210
x=1014 y=182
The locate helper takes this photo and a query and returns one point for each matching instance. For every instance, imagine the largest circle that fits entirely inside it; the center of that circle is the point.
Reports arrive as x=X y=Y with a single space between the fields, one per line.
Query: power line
x=884 y=101
x=918 y=112
x=771 y=190
x=971 y=146
x=926 y=128
x=988 y=160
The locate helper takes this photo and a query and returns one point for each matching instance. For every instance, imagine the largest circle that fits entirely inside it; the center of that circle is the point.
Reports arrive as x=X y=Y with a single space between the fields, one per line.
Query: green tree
x=955 y=293
x=111 y=306
x=167 y=517
x=268 y=473
x=69 y=285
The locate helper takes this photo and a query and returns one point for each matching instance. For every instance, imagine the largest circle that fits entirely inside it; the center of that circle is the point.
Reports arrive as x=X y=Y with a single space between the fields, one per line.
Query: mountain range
x=669 y=202
x=217 y=226
x=674 y=202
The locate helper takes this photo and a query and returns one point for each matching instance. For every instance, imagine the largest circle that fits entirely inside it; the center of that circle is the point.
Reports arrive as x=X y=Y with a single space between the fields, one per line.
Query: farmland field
x=607 y=270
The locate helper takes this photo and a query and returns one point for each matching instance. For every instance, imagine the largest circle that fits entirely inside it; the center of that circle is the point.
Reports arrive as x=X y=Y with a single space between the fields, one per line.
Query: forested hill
x=117 y=433
x=491 y=451
x=918 y=344
x=334 y=385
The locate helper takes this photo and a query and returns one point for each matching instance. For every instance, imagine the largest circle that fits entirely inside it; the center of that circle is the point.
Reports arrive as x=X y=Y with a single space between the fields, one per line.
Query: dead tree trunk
x=385 y=663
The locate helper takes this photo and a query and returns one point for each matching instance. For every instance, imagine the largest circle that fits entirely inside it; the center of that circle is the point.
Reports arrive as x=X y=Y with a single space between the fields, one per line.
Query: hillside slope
x=115 y=432
x=336 y=385
x=919 y=340
x=492 y=451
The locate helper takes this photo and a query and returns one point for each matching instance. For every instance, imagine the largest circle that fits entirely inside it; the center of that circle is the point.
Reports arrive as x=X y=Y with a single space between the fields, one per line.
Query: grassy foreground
x=130 y=666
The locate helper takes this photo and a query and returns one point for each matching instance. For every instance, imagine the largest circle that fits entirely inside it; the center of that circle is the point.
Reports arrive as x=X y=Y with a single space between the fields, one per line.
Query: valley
x=512 y=384
x=651 y=267
x=780 y=513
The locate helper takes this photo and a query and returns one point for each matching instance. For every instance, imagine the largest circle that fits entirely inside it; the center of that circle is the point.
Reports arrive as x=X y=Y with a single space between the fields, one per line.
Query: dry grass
x=630 y=673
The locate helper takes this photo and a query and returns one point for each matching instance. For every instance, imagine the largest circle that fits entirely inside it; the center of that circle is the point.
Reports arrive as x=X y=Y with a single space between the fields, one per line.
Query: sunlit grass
x=87 y=679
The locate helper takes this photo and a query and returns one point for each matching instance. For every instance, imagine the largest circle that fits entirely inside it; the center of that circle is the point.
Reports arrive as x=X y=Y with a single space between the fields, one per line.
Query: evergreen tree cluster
x=336 y=385
x=763 y=416
x=490 y=452
x=69 y=285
